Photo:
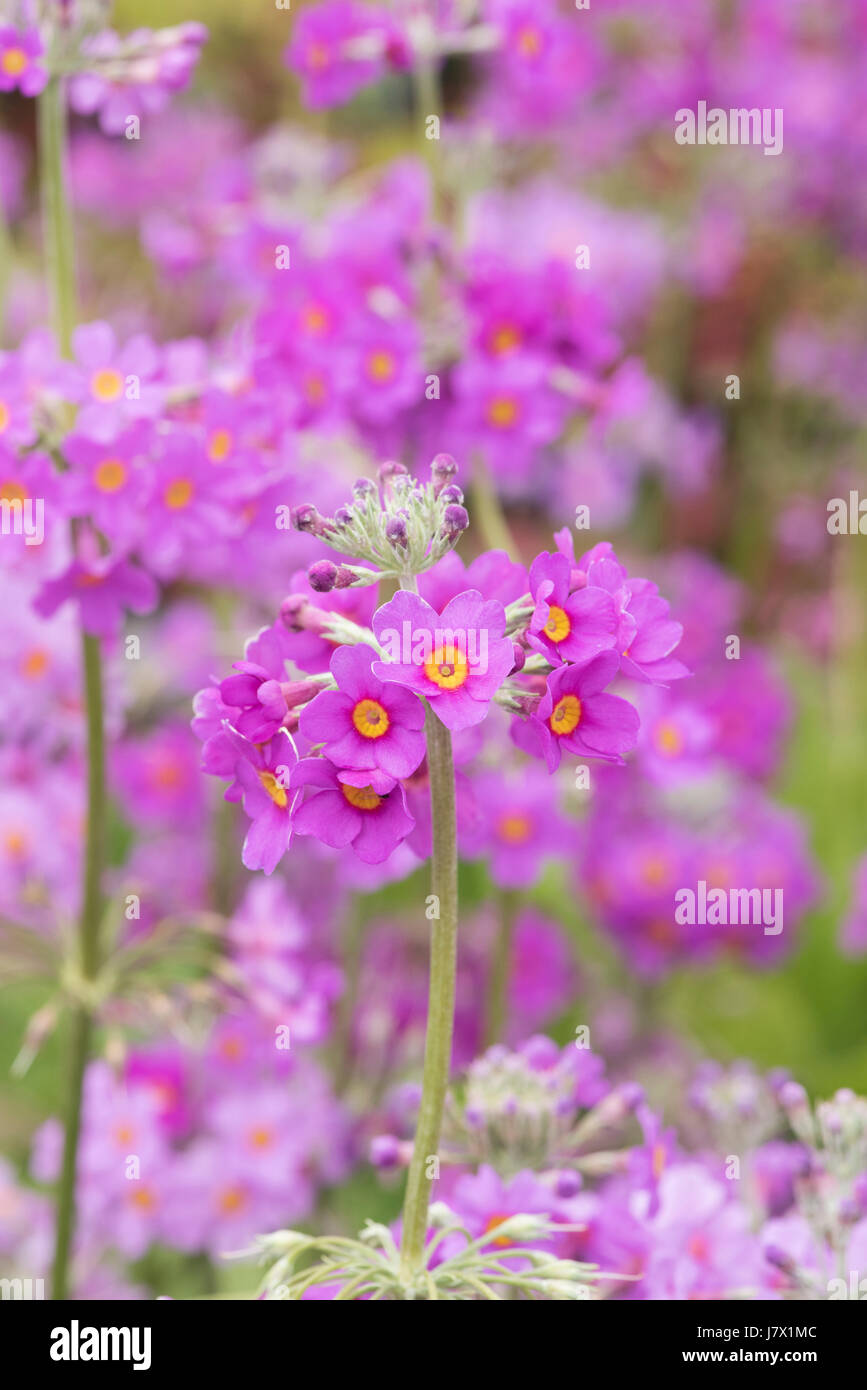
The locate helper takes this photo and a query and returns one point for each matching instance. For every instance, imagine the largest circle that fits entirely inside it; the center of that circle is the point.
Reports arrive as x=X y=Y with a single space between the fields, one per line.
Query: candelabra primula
x=336 y=764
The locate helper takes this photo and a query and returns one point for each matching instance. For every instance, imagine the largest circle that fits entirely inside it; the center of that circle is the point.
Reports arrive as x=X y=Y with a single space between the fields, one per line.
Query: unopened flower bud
x=568 y=1183
x=443 y=468
x=793 y=1096
x=386 y=471
x=452 y=493
x=306 y=517
x=298 y=614
x=396 y=532
x=519 y=655
x=455 y=520
x=384 y=1151
x=322 y=576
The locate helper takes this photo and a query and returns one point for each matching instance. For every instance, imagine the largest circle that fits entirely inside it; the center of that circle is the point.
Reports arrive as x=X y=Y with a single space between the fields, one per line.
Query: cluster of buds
x=401 y=527
x=737 y=1105
x=830 y=1195
x=144 y=58
x=540 y=1108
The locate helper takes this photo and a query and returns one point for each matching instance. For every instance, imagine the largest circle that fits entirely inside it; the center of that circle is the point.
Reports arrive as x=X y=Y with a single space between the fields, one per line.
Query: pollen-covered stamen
x=448 y=668
x=5 y=416
x=565 y=716
x=559 y=624
x=370 y=719
x=362 y=798
x=272 y=786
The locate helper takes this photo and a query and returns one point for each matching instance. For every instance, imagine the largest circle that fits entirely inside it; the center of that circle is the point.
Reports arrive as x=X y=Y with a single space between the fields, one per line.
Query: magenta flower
x=264 y=775
x=340 y=47
x=649 y=655
x=103 y=588
x=517 y=825
x=492 y=573
x=20 y=66
x=568 y=626
x=346 y=810
x=575 y=714
x=115 y=384
x=366 y=725
x=457 y=659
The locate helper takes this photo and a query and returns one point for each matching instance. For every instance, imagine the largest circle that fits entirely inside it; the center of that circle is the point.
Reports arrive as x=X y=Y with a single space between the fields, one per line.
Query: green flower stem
x=57 y=229
x=487 y=511
x=501 y=964
x=441 y=995
x=59 y=252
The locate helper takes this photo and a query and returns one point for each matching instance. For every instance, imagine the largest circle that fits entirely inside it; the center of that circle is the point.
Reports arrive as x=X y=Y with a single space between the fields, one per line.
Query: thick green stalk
x=441 y=994
x=59 y=252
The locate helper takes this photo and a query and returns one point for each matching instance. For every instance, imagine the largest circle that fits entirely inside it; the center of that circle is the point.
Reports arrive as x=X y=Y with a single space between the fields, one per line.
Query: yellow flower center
x=654 y=872
x=12 y=491
x=5 y=416
x=219 y=446
x=261 y=1138
x=362 y=798
x=315 y=319
x=13 y=62
x=565 y=716
x=502 y=412
x=274 y=789
x=14 y=843
x=178 y=493
x=315 y=389
x=559 y=624
x=110 y=475
x=515 y=828
x=142 y=1197
x=380 y=365
x=231 y=1199
x=370 y=719
x=448 y=668
x=668 y=739
x=504 y=338
x=35 y=664
x=106 y=385
x=529 y=43
x=318 y=56
x=492 y=1224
